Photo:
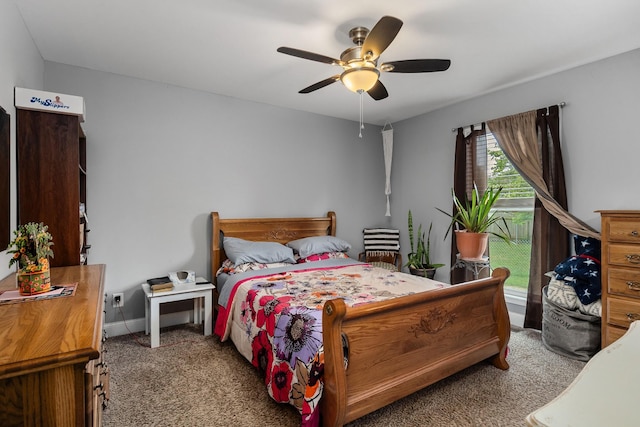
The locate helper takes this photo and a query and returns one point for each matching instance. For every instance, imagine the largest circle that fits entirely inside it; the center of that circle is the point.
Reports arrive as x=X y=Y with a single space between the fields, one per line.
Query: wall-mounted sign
x=53 y=102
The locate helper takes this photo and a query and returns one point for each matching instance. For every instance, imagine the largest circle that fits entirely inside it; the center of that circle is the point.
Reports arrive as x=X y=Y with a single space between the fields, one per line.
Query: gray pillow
x=318 y=245
x=241 y=251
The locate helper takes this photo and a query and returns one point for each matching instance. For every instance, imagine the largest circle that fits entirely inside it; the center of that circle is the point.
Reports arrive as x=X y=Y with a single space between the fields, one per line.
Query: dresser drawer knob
x=633 y=286
x=633 y=258
x=634 y=233
x=633 y=316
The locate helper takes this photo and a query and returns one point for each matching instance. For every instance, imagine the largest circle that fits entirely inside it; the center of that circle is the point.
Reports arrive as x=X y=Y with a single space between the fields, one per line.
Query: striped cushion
x=381 y=239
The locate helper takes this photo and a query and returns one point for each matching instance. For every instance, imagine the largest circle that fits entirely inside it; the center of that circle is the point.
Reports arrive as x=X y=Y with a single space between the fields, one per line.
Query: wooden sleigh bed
x=393 y=347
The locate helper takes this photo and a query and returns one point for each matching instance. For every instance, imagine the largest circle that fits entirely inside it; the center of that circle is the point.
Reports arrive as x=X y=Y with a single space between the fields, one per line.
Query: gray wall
x=161 y=158
x=20 y=65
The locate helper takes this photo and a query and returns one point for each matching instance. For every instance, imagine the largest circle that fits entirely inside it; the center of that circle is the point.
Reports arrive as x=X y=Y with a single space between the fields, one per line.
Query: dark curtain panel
x=470 y=165
x=5 y=179
x=550 y=241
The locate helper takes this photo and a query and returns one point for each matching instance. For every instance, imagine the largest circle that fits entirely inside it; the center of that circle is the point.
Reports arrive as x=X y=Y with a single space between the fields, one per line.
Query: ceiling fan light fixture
x=360 y=78
x=360 y=62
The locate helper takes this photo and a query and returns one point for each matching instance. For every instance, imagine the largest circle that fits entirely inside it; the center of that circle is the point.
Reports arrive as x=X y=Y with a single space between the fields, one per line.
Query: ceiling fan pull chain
x=360 y=92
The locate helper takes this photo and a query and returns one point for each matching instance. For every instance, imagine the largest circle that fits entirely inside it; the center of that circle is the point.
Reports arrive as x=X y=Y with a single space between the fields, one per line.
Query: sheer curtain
x=531 y=142
x=470 y=165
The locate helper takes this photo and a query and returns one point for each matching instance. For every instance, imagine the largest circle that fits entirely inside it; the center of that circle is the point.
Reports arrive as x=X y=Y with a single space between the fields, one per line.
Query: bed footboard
x=399 y=346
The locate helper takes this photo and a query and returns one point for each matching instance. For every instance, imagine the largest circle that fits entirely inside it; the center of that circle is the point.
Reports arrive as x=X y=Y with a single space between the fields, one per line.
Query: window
x=516 y=205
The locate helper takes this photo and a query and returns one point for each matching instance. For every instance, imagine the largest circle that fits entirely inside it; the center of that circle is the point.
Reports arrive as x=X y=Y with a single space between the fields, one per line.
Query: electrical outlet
x=118 y=300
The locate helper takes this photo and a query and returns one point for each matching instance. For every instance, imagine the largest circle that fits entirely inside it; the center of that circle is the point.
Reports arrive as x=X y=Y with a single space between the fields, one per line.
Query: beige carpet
x=196 y=381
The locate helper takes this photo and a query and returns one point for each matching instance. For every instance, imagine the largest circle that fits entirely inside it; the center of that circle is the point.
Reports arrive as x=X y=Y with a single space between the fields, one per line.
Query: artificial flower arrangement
x=31 y=249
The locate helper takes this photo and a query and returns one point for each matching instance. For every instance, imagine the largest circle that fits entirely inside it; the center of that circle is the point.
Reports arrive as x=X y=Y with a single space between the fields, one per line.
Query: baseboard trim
x=516 y=304
x=516 y=319
x=125 y=327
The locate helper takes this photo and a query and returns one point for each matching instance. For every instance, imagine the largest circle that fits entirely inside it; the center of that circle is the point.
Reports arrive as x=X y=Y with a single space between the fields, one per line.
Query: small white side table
x=198 y=293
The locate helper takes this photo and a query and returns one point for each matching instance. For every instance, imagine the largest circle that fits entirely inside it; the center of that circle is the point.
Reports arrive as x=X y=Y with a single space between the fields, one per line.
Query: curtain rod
x=561 y=105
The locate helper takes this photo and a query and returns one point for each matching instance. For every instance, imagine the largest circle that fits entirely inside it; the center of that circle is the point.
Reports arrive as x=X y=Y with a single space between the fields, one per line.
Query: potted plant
x=471 y=221
x=31 y=249
x=419 y=260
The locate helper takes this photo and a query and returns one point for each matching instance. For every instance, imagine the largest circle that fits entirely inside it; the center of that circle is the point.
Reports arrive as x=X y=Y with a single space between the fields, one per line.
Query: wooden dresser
x=51 y=367
x=620 y=272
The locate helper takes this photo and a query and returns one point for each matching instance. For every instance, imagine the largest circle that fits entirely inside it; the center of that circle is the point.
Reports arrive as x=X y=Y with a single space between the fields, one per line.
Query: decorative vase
x=429 y=273
x=34 y=282
x=471 y=246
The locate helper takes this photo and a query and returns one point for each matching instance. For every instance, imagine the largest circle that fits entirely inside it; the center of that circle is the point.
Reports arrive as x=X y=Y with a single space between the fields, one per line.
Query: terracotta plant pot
x=33 y=283
x=471 y=245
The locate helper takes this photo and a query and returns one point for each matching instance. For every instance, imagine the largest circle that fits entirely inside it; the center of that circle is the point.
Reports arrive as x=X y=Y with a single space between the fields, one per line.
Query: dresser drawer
x=624 y=281
x=623 y=230
x=625 y=255
x=620 y=272
x=611 y=333
x=622 y=312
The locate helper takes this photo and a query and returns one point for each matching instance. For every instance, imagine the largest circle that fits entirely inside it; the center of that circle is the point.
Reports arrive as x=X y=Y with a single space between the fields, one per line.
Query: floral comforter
x=275 y=321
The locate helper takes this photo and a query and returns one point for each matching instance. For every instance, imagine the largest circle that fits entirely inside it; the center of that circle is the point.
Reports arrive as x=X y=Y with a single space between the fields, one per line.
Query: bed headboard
x=281 y=230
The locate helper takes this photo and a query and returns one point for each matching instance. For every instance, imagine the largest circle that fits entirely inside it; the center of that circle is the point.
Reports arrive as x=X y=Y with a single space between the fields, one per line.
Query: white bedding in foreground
x=603 y=394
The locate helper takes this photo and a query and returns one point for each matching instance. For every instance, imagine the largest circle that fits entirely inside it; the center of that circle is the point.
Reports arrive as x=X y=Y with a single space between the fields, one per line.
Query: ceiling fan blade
x=380 y=37
x=378 y=91
x=309 y=55
x=320 y=85
x=416 y=66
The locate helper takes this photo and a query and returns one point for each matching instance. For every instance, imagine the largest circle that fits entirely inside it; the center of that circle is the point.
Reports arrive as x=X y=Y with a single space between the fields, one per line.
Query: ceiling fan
x=360 y=63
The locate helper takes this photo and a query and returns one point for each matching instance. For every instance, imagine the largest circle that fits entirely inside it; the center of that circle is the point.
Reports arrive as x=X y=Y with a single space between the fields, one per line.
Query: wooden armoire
x=51 y=169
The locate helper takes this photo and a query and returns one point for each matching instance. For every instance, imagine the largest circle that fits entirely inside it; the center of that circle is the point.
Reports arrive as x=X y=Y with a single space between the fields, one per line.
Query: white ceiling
x=228 y=47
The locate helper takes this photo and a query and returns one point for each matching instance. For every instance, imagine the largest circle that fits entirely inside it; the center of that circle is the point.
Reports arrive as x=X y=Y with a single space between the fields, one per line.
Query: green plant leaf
x=419 y=257
x=474 y=214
